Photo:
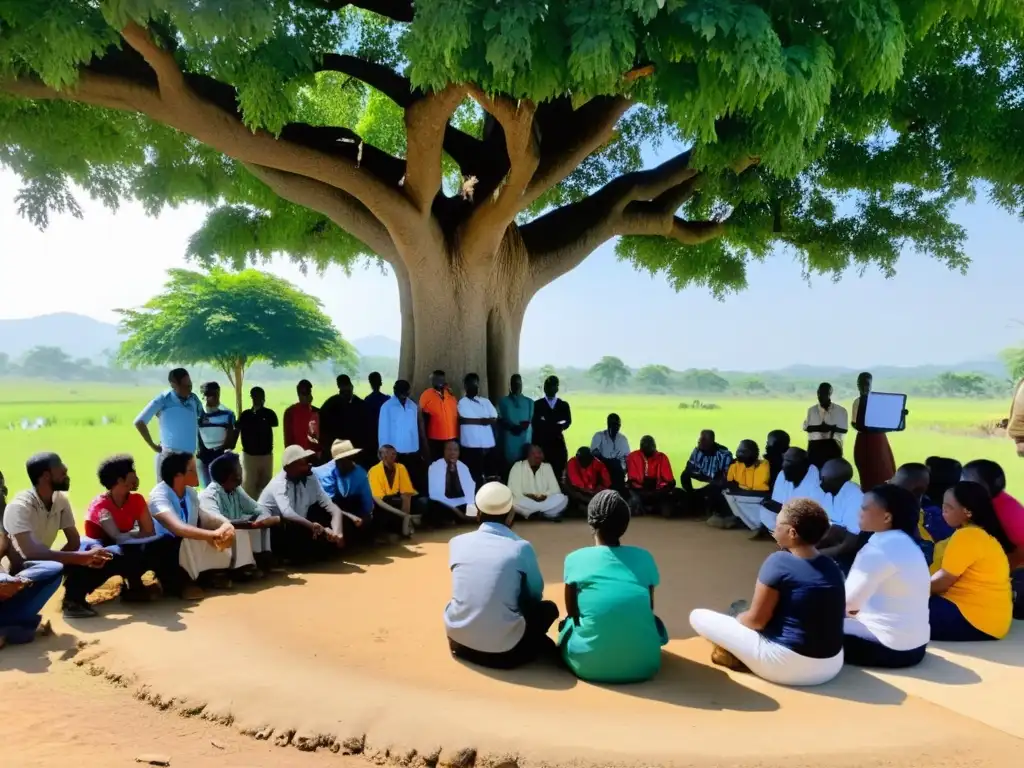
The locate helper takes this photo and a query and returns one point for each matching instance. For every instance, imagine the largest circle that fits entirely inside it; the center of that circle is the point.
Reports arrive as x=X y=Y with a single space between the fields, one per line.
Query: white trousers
x=746 y=508
x=769 y=519
x=196 y=556
x=771 y=661
x=553 y=506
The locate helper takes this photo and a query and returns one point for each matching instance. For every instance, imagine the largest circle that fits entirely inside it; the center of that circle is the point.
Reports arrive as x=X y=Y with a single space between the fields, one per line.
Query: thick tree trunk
x=463 y=315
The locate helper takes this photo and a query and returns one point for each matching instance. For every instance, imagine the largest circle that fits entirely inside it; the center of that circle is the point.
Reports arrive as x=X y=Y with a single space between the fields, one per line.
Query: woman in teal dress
x=611 y=634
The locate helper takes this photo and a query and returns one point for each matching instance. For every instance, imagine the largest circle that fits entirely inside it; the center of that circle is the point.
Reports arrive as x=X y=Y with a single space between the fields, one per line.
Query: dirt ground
x=354 y=656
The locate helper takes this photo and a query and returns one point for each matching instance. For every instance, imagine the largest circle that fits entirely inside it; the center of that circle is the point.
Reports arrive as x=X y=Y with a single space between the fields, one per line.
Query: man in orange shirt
x=584 y=477
x=302 y=420
x=650 y=480
x=440 y=411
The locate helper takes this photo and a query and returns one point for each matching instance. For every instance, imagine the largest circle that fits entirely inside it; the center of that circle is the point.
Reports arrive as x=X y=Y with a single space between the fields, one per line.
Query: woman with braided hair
x=611 y=634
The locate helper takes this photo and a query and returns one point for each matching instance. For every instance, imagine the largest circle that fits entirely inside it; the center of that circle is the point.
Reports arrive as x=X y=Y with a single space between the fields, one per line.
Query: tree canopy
x=472 y=141
x=610 y=372
x=231 y=320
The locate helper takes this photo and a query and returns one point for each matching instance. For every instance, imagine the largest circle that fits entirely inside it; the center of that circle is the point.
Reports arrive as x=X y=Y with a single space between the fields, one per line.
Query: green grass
x=936 y=427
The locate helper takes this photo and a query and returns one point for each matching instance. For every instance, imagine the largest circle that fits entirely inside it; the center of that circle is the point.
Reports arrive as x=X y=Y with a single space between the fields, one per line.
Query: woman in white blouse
x=889 y=585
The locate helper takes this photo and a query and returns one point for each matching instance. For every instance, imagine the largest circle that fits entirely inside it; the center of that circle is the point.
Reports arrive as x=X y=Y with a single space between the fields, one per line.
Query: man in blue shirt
x=177 y=411
x=497 y=616
x=348 y=485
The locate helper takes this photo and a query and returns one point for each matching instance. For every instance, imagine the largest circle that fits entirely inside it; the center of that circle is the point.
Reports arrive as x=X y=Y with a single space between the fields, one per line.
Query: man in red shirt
x=302 y=420
x=650 y=481
x=584 y=477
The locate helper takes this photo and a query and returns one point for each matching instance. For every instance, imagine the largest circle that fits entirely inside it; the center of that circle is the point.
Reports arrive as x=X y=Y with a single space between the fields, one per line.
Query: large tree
x=483 y=148
x=231 y=320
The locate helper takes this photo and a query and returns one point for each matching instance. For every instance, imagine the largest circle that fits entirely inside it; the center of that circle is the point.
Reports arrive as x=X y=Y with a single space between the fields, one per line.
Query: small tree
x=610 y=372
x=1014 y=360
x=654 y=376
x=230 y=320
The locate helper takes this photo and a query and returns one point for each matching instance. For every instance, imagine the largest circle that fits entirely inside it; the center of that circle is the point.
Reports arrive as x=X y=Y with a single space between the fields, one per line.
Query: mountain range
x=83 y=336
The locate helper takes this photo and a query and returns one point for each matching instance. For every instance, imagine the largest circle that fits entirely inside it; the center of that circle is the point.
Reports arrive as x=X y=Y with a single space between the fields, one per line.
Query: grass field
x=79 y=433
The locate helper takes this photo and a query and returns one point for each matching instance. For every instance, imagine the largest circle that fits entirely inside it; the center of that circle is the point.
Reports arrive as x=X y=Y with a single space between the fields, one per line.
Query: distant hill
x=992 y=367
x=78 y=335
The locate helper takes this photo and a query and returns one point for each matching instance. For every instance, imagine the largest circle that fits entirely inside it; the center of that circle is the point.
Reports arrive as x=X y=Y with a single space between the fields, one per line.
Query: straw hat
x=493 y=499
x=342 y=449
x=295 y=453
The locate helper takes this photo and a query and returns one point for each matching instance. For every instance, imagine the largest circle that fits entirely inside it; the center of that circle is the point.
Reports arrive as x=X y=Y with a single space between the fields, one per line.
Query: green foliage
x=611 y=372
x=230 y=320
x=654 y=377
x=1014 y=360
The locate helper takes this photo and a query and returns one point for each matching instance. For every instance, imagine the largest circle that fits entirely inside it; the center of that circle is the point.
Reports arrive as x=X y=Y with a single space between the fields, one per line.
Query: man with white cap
x=497 y=616
x=311 y=523
x=347 y=483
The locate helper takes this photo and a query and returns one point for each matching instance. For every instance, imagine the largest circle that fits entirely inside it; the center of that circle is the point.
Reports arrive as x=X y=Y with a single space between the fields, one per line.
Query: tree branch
x=396 y=10
x=486 y=225
x=426 y=121
x=341 y=208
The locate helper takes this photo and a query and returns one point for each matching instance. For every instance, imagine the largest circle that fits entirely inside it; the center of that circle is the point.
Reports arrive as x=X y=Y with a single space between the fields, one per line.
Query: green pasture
x=78 y=432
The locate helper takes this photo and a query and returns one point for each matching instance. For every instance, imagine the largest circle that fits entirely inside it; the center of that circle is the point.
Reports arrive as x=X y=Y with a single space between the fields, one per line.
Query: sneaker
x=74 y=610
x=723 y=658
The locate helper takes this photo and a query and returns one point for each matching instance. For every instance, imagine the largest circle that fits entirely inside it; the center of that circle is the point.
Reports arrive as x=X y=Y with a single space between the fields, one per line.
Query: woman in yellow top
x=971 y=597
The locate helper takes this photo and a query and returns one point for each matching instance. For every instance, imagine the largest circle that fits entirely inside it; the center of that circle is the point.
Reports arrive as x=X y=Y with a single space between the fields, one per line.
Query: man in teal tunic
x=516 y=414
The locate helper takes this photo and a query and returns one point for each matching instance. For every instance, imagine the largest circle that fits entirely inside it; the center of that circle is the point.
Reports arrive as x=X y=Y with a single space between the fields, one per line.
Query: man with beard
x=612 y=448
x=551 y=417
x=33 y=518
x=825 y=425
x=775 y=447
x=799 y=479
x=841 y=498
x=516 y=413
x=477 y=417
x=342 y=417
x=746 y=484
x=311 y=523
x=708 y=463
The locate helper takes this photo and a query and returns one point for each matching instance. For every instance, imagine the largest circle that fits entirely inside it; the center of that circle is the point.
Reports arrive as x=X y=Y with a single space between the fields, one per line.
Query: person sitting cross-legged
x=450 y=486
x=194 y=541
x=535 y=488
x=497 y=616
x=649 y=480
x=611 y=634
x=32 y=520
x=708 y=463
x=348 y=485
x=394 y=494
x=585 y=476
x=799 y=479
x=746 y=485
x=225 y=497
x=792 y=634
x=841 y=498
x=311 y=523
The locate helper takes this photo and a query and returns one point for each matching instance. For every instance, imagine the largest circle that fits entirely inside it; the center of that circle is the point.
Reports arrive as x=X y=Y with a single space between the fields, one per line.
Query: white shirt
x=26 y=513
x=398 y=425
x=889 y=585
x=436 y=476
x=843 y=508
x=522 y=480
x=283 y=497
x=476 y=435
x=610 y=448
x=835 y=416
x=809 y=488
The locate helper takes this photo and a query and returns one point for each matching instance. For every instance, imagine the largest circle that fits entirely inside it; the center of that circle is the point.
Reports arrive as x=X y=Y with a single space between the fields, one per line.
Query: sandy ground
x=355 y=656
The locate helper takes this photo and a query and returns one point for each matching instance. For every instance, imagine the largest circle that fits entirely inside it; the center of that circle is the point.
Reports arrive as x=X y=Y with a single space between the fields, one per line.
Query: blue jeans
x=19 y=616
x=950 y=625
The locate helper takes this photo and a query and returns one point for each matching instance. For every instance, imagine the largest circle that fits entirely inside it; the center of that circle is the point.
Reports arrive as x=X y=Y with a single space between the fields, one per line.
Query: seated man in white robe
x=450 y=486
x=535 y=488
x=841 y=498
x=799 y=479
x=226 y=498
x=192 y=541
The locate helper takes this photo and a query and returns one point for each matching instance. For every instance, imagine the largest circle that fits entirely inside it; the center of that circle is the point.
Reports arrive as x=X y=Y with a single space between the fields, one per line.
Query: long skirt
x=873 y=457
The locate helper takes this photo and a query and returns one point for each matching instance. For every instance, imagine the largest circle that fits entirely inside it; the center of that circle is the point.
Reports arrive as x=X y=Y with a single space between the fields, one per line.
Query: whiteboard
x=884 y=411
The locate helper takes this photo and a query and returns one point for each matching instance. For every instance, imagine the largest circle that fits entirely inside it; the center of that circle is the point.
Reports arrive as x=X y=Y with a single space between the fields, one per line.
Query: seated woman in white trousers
x=889 y=585
x=793 y=632
x=535 y=488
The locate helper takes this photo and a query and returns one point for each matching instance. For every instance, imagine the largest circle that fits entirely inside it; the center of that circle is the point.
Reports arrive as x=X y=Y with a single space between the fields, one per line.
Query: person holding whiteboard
x=871 y=451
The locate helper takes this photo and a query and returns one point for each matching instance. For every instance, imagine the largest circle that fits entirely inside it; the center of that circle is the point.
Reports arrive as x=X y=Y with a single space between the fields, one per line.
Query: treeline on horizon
x=610 y=374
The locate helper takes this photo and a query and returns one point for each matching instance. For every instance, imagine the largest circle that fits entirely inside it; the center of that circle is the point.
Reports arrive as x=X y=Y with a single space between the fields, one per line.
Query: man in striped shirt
x=709 y=464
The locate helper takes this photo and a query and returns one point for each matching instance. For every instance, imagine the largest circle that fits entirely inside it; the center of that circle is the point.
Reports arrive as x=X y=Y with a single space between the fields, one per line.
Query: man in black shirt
x=256 y=427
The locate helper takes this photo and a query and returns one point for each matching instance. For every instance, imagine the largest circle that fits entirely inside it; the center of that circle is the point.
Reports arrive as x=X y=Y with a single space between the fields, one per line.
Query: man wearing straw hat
x=348 y=485
x=493 y=570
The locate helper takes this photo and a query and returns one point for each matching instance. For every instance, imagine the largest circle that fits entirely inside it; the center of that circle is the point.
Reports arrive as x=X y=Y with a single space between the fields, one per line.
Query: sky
x=925 y=315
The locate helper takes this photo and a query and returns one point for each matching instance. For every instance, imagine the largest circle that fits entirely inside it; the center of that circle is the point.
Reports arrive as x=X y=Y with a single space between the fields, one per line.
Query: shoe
x=761 y=534
x=723 y=522
x=192 y=592
x=220 y=581
x=73 y=610
x=723 y=658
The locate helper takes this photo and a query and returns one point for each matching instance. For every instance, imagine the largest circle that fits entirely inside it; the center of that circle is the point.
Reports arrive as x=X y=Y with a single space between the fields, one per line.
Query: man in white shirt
x=535 y=488
x=450 y=486
x=477 y=417
x=841 y=498
x=612 y=448
x=311 y=525
x=799 y=479
x=400 y=425
x=825 y=425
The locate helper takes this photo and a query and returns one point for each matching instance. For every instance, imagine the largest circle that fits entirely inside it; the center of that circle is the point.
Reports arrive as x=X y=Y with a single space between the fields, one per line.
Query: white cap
x=295 y=453
x=493 y=499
